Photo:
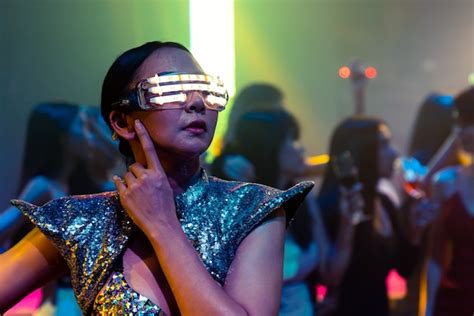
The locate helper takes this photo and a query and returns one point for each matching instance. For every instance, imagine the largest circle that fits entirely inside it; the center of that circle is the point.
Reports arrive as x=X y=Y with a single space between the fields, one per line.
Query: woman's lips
x=196 y=127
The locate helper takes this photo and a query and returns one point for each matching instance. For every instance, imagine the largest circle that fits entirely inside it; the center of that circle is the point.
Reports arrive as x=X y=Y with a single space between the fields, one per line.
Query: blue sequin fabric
x=91 y=231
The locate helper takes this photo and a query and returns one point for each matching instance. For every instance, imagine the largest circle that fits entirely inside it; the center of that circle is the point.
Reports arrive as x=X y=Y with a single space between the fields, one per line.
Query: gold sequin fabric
x=91 y=231
x=118 y=298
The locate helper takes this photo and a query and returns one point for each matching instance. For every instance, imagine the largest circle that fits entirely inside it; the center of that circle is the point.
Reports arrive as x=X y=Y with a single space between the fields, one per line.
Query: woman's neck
x=179 y=169
x=181 y=174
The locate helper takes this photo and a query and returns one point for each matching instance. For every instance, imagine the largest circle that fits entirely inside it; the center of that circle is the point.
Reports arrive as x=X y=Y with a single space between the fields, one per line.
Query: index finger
x=152 y=160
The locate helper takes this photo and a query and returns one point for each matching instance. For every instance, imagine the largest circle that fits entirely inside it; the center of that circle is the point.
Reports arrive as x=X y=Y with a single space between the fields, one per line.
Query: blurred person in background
x=451 y=263
x=268 y=140
x=254 y=97
x=431 y=127
x=64 y=145
x=377 y=236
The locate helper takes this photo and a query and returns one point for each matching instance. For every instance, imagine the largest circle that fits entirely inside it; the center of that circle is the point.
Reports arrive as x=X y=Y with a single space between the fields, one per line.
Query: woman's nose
x=195 y=102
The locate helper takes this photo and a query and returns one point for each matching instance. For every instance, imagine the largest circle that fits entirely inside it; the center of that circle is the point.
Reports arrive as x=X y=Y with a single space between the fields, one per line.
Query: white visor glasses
x=173 y=91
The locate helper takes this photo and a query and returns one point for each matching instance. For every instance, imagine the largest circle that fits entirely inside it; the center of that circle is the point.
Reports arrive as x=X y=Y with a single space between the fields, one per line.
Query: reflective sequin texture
x=118 y=298
x=91 y=231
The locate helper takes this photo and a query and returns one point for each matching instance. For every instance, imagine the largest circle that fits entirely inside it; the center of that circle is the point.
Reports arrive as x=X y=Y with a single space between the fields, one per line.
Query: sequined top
x=118 y=298
x=91 y=231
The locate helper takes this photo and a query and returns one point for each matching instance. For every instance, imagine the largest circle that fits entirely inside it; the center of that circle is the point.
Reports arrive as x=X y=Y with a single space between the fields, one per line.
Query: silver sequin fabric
x=91 y=231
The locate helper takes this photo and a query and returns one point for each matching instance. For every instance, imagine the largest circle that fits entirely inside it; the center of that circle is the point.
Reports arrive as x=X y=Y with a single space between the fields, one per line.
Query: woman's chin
x=191 y=152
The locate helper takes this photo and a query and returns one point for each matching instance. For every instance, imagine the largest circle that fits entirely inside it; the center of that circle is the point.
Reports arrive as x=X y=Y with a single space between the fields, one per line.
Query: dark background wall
x=60 y=50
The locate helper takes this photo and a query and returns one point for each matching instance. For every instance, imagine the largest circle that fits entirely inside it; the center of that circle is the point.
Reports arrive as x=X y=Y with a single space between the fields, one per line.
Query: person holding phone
x=171 y=240
x=380 y=239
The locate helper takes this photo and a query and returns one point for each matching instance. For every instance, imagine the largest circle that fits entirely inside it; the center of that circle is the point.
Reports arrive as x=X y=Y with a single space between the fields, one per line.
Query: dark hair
x=48 y=124
x=258 y=137
x=464 y=107
x=120 y=74
x=254 y=97
x=358 y=135
x=432 y=126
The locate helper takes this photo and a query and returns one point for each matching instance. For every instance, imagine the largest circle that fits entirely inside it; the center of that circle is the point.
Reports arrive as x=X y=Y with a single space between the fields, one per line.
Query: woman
x=269 y=141
x=368 y=249
x=450 y=268
x=253 y=98
x=66 y=129
x=172 y=240
x=46 y=177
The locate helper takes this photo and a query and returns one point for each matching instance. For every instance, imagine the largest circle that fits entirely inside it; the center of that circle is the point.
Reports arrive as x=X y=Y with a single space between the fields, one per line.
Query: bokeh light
x=344 y=72
x=470 y=79
x=370 y=72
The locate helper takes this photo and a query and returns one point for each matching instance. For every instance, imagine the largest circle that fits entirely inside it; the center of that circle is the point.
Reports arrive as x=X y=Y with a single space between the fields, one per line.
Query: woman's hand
x=145 y=192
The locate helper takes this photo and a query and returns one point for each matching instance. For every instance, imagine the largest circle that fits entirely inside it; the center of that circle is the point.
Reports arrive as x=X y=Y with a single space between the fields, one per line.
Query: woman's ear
x=123 y=124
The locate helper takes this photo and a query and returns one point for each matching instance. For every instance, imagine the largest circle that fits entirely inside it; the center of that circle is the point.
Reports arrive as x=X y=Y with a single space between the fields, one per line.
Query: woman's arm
x=31 y=263
x=254 y=281
x=340 y=252
x=446 y=156
x=408 y=231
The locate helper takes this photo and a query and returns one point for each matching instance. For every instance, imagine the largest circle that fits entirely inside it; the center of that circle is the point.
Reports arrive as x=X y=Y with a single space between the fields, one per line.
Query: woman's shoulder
x=251 y=188
x=255 y=198
x=72 y=201
x=78 y=211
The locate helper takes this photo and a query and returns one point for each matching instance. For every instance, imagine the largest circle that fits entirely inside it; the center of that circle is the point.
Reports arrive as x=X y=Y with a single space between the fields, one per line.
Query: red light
x=370 y=72
x=344 y=72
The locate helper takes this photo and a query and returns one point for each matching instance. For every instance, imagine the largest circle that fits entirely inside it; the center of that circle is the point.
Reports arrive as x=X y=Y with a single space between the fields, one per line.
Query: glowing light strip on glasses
x=181 y=97
x=156 y=79
x=188 y=87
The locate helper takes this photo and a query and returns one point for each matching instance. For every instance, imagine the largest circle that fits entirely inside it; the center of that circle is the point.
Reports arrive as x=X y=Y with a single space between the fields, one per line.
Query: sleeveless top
x=91 y=231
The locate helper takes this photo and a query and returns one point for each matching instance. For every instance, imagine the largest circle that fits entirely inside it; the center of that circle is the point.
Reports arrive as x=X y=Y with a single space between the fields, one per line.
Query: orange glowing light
x=344 y=72
x=317 y=160
x=370 y=72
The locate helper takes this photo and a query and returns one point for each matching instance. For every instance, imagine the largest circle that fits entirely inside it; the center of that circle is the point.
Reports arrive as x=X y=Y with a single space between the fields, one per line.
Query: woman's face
x=183 y=132
x=386 y=153
x=291 y=158
x=466 y=136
